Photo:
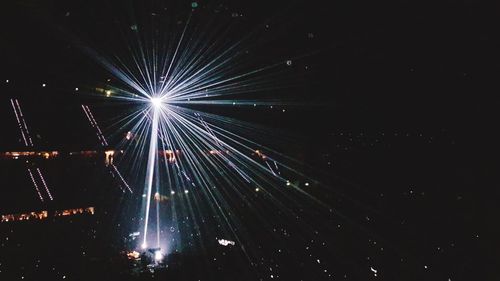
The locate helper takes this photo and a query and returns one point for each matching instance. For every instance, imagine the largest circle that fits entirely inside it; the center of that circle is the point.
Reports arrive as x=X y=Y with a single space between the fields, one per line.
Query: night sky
x=389 y=109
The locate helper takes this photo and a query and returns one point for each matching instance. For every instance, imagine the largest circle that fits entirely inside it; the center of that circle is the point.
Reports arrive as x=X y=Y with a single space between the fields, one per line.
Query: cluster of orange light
x=133 y=255
x=87 y=153
x=44 y=214
x=260 y=154
x=17 y=154
x=28 y=216
x=69 y=212
x=169 y=154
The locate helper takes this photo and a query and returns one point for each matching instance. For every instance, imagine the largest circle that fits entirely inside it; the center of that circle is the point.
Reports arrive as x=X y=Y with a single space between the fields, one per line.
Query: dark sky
x=395 y=63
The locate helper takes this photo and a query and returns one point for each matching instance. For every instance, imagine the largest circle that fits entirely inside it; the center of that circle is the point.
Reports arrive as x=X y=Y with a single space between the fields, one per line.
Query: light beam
x=153 y=151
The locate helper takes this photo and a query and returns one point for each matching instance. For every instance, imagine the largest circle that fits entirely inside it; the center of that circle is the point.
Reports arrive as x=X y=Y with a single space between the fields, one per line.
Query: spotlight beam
x=153 y=151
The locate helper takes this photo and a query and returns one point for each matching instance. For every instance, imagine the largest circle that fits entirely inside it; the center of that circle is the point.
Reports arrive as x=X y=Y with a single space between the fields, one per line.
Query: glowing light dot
x=172 y=192
x=257 y=189
x=186 y=191
x=76 y=89
x=43 y=85
x=144 y=245
x=156 y=102
x=306 y=184
x=158 y=256
x=7 y=81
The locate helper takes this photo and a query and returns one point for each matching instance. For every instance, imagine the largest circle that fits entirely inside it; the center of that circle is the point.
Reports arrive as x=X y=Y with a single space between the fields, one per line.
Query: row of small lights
x=108 y=93
x=288 y=183
x=171 y=193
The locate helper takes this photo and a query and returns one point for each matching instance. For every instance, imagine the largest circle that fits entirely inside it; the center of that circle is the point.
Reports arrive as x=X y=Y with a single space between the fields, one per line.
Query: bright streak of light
x=374 y=271
x=153 y=151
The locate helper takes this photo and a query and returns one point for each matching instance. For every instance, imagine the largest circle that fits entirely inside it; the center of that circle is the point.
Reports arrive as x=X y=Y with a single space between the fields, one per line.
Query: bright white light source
x=156 y=102
x=225 y=242
x=158 y=256
x=144 y=246
x=374 y=271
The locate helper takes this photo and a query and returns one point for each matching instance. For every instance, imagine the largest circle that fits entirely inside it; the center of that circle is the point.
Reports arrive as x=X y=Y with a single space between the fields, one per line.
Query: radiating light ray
x=173 y=59
x=152 y=155
x=211 y=160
